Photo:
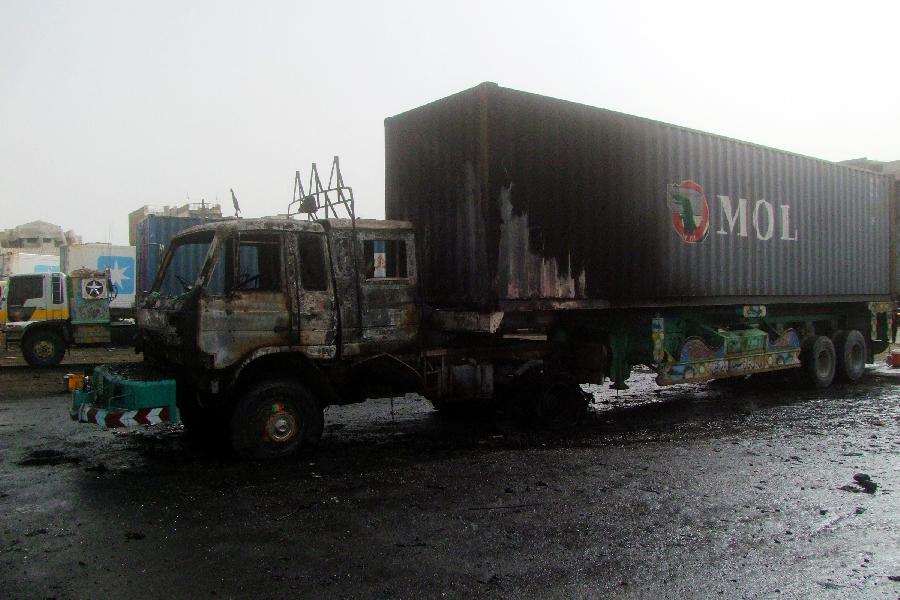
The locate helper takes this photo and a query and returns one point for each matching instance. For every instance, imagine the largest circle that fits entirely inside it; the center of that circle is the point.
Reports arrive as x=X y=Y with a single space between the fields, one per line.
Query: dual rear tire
x=841 y=357
x=850 y=348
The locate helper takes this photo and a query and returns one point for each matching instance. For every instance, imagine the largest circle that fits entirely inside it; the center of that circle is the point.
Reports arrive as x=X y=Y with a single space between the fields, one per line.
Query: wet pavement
x=732 y=491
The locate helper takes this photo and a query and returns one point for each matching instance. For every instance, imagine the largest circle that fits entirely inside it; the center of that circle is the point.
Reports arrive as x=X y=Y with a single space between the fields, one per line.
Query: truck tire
x=552 y=400
x=43 y=348
x=850 y=349
x=818 y=361
x=275 y=419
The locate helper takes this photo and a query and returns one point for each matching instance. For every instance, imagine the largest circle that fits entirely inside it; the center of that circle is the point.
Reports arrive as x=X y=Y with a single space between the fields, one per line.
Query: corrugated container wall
x=154 y=234
x=896 y=238
x=521 y=200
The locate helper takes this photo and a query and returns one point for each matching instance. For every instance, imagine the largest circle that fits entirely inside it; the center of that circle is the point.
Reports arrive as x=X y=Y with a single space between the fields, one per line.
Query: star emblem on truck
x=94 y=288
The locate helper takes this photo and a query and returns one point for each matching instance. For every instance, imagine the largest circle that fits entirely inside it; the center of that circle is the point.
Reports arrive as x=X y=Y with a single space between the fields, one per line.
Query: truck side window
x=385 y=259
x=313 y=274
x=56 y=289
x=216 y=284
x=22 y=289
x=259 y=262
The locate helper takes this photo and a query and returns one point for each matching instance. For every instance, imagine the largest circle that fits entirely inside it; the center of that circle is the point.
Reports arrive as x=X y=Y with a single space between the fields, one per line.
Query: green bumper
x=128 y=395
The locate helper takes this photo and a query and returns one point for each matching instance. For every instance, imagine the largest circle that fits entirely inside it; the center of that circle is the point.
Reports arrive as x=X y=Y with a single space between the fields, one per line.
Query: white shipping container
x=16 y=262
x=120 y=260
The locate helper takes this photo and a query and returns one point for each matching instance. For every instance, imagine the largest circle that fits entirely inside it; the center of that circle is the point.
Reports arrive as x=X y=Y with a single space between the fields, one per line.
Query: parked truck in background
x=43 y=314
x=531 y=245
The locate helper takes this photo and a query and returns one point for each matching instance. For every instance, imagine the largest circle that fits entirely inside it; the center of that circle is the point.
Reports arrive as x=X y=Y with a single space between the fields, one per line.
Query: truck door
x=387 y=290
x=314 y=307
x=247 y=303
x=26 y=298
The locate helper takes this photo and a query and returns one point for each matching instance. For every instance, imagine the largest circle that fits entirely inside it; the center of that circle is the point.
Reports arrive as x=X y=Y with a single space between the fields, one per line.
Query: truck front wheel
x=43 y=348
x=275 y=419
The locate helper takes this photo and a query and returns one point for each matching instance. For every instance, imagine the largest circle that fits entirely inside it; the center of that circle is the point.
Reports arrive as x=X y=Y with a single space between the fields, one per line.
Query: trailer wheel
x=43 y=348
x=554 y=399
x=818 y=359
x=275 y=419
x=850 y=349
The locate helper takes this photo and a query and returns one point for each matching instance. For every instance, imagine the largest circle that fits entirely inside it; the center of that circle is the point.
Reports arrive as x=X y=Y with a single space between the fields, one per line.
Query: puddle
x=41 y=458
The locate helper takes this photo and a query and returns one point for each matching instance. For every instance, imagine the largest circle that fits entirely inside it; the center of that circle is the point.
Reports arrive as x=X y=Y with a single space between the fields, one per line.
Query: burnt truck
x=530 y=245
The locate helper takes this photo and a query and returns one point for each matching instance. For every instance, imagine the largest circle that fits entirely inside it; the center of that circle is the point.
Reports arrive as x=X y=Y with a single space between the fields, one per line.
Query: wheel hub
x=281 y=425
x=43 y=349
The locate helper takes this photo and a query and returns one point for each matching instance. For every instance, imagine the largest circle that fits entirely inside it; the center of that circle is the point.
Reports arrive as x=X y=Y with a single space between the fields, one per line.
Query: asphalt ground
x=701 y=491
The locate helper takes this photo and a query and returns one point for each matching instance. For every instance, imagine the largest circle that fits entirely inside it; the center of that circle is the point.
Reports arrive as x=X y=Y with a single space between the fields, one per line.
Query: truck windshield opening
x=183 y=264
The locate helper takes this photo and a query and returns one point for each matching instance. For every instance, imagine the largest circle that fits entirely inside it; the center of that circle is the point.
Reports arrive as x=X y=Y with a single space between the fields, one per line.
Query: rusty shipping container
x=522 y=201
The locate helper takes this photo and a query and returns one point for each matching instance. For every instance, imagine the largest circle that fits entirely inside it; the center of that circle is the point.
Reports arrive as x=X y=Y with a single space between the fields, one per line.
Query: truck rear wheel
x=850 y=349
x=275 y=419
x=551 y=400
x=43 y=348
x=818 y=360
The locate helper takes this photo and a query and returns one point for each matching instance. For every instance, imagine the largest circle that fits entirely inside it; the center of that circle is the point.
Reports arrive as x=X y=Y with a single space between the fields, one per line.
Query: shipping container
x=120 y=260
x=896 y=238
x=154 y=234
x=14 y=261
x=522 y=201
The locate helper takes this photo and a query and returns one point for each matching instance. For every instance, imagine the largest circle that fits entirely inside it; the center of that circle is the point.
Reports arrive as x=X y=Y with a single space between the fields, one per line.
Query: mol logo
x=691 y=215
x=690 y=210
x=121 y=272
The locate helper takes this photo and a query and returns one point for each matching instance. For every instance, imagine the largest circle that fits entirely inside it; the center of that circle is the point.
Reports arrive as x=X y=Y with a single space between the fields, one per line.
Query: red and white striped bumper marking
x=131 y=418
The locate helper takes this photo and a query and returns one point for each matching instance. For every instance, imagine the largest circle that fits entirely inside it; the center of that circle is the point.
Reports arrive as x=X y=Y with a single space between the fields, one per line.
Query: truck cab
x=45 y=313
x=239 y=300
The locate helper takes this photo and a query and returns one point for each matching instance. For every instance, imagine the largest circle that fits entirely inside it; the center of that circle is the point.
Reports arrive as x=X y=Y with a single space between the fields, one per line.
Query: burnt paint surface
x=231 y=327
x=377 y=315
x=241 y=322
x=520 y=197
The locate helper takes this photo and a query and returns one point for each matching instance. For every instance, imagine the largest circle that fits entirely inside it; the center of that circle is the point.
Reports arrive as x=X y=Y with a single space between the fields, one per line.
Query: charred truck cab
x=281 y=318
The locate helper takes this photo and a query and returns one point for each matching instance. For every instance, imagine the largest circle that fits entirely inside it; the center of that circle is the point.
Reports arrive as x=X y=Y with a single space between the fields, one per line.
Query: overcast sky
x=107 y=106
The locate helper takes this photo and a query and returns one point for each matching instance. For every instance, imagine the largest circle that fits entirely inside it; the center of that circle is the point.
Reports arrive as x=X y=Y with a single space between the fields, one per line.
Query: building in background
x=201 y=209
x=38 y=237
x=33 y=248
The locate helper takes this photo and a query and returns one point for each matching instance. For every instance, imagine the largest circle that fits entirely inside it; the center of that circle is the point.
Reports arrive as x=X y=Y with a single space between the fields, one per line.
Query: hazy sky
x=107 y=106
